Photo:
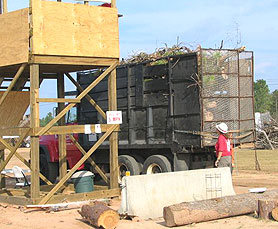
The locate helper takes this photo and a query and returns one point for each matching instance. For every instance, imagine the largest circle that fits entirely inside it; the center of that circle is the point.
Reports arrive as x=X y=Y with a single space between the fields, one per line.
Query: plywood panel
x=14 y=37
x=68 y=29
x=13 y=108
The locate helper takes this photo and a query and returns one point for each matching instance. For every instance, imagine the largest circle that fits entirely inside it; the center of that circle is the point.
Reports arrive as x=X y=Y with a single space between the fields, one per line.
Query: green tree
x=262 y=96
x=46 y=119
x=274 y=104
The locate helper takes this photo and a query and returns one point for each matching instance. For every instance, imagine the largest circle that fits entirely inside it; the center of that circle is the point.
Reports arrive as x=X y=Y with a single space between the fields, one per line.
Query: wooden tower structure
x=49 y=40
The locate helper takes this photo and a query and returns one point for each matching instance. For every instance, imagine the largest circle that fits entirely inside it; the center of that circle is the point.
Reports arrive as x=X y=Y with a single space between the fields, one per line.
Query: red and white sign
x=114 y=117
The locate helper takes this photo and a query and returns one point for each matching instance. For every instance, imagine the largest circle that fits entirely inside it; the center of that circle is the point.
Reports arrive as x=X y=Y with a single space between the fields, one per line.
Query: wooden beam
x=14 y=149
x=77 y=165
x=2 y=79
x=88 y=97
x=5 y=6
x=113 y=3
x=12 y=131
x=43 y=130
x=16 y=200
x=18 y=74
x=15 y=192
x=34 y=123
x=2 y=177
x=59 y=100
x=24 y=161
x=95 y=166
x=73 y=129
x=97 y=80
x=112 y=102
x=62 y=137
x=82 y=95
x=97 y=194
x=88 y=61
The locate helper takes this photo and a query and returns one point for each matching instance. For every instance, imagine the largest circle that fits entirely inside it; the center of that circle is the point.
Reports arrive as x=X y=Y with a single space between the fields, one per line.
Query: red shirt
x=223 y=145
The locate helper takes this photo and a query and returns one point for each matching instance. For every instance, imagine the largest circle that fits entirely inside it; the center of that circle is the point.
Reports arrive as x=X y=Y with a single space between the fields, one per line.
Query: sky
x=150 y=24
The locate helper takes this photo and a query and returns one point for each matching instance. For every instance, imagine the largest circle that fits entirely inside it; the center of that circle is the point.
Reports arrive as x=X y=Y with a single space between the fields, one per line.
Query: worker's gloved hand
x=233 y=165
x=216 y=163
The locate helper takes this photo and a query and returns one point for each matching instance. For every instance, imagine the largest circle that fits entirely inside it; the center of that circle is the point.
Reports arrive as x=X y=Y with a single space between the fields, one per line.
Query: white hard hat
x=222 y=127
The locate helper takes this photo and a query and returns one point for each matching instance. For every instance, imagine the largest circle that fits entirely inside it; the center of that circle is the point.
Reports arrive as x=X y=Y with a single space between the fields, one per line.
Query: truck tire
x=48 y=169
x=128 y=163
x=156 y=164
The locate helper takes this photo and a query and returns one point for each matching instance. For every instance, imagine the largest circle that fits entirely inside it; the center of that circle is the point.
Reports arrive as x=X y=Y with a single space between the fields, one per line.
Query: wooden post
x=5 y=6
x=78 y=164
x=88 y=97
x=2 y=178
x=112 y=100
x=34 y=122
x=62 y=137
x=113 y=3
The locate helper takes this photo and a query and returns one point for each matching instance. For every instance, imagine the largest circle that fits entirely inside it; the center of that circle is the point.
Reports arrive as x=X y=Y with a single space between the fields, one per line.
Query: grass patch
x=268 y=159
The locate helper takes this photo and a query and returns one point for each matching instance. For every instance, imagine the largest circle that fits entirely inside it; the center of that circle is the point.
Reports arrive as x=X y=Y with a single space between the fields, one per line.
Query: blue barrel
x=83 y=181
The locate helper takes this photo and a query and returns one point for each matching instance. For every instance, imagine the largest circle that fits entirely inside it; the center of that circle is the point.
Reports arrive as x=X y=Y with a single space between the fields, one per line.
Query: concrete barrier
x=146 y=195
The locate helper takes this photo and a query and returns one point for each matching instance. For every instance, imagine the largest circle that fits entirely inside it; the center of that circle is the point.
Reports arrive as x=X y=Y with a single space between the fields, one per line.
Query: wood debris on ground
x=267 y=134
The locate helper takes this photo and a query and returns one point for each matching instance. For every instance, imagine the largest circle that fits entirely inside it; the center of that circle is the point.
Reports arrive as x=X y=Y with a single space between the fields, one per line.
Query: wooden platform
x=47 y=40
x=64 y=37
x=66 y=194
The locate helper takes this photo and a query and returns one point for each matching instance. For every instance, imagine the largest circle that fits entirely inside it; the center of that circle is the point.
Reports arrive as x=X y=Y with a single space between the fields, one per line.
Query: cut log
x=100 y=215
x=205 y=210
x=275 y=214
x=265 y=207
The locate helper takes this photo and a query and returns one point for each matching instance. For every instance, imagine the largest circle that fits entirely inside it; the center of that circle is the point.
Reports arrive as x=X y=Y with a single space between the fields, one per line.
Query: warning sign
x=114 y=117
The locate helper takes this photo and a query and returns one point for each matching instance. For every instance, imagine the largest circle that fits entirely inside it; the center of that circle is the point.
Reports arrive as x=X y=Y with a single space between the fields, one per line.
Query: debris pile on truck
x=159 y=54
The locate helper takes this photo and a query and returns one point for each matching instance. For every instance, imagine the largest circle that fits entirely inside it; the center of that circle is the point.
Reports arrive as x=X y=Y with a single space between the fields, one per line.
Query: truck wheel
x=48 y=169
x=128 y=163
x=156 y=164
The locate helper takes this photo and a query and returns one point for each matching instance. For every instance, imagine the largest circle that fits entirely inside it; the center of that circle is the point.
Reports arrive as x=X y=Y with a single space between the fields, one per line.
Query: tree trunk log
x=265 y=207
x=275 y=213
x=205 y=210
x=100 y=215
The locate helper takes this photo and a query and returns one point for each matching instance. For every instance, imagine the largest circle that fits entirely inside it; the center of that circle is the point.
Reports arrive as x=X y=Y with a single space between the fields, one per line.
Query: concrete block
x=146 y=195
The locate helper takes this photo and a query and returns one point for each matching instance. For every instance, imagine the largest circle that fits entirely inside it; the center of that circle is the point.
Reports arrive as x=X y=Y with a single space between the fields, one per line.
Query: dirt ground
x=14 y=217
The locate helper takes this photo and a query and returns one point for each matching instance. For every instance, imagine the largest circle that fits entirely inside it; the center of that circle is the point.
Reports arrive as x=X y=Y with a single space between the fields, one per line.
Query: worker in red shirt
x=223 y=147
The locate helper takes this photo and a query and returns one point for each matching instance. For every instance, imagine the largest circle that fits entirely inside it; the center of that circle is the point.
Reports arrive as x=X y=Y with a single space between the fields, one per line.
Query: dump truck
x=170 y=107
